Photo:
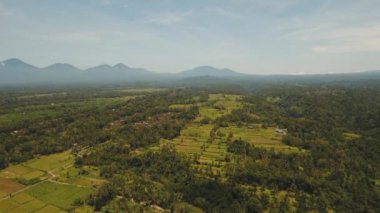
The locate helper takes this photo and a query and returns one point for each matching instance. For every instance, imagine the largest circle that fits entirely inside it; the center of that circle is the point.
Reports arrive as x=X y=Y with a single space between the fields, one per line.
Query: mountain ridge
x=16 y=71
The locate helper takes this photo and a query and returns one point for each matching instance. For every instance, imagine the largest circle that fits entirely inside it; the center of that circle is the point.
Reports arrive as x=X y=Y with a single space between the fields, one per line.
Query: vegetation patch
x=21 y=171
x=60 y=195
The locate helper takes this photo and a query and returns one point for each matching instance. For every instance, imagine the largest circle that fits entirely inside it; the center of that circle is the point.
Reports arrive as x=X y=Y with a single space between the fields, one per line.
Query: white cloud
x=354 y=45
x=84 y=36
x=167 y=18
x=5 y=11
x=105 y=2
x=335 y=39
x=225 y=13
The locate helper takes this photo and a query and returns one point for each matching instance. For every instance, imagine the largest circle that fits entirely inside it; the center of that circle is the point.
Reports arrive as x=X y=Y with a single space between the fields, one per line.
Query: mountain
x=118 y=72
x=60 y=68
x=17 y=72
x=209 y=71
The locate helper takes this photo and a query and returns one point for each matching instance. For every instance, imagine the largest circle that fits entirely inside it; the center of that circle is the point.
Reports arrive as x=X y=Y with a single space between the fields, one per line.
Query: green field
x=59 y=195
x=72 y=175
x=142 y=90
x=259 y=136
x=21 y=171
x=45 y=197
x=51 y=162
x=217 y=106
x=24 y=113
x=180 y=106
x=195 y=139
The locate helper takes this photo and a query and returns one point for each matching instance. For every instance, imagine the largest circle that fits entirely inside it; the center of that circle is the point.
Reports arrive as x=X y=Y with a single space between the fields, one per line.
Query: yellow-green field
x=21 y=114
x=51 y=162
x=72 y=175
x=218 y=105
x=56 y=194
x=23 y=172
x=259 y=136
x=195 y=139
x=142 y=90
x=45 y=197
x=180 y=106
x=350 y=136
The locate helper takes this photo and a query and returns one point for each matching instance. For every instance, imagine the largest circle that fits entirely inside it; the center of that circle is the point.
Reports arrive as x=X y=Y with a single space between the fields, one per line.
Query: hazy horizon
x=253 y=37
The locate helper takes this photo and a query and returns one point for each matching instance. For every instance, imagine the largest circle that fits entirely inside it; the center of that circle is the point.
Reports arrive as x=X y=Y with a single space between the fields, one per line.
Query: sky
x=249 y=36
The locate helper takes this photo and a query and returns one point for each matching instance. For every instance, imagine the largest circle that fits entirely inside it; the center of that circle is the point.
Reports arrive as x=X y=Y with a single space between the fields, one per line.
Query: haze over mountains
x=16 y=72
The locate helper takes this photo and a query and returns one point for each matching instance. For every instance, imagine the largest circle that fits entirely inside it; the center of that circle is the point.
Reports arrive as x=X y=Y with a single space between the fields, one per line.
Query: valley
x=170 y=149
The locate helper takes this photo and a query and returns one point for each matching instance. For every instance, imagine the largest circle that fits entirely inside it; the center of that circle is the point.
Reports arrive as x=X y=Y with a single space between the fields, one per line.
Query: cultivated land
x=44 y=111
x=210 y=154
x=51 y=183
x=59 y=184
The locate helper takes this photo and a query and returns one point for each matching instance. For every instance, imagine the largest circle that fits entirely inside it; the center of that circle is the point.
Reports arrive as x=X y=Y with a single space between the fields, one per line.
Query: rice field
x=22 y=172
x=211 y=154
x=9 y=186
x=45 y=197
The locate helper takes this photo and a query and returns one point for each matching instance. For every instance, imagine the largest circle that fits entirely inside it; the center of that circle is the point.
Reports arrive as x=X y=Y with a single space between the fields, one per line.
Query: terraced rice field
x=51 y=162
x=45 y=197
x=260 y=137
x=218 y=105
x=23 y=172
x=210 y=155
x=72 y=175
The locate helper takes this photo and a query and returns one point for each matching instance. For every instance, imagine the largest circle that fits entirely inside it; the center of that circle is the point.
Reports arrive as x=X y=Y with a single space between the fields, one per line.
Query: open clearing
x=45 y=197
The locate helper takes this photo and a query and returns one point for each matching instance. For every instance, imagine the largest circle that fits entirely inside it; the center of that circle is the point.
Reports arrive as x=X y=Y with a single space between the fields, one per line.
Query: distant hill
x=209 y=71
x=17 y=72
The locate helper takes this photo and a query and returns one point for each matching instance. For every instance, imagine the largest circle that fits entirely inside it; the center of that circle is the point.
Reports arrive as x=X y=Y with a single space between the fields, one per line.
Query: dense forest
x=332 y=133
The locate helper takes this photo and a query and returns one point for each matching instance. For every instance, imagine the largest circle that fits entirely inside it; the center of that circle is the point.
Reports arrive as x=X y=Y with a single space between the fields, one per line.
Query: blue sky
x=257 y=36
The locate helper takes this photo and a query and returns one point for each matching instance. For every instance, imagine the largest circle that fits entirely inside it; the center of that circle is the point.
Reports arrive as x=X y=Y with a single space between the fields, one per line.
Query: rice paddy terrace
x=207 y=142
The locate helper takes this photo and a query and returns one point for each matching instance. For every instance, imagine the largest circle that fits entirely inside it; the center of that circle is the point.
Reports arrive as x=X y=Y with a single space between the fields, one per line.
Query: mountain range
x=17 y=72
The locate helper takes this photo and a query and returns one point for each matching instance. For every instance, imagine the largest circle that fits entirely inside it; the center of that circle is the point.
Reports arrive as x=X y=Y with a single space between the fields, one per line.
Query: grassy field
x=181 y=106
x=73 y=175
x=350 y=136
x=51 y=162
x=142 y=90
x=45 y=197
x=260 y=137
x=33 y=112
x=217 y=106
x=59 y=195
x=21 y=171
